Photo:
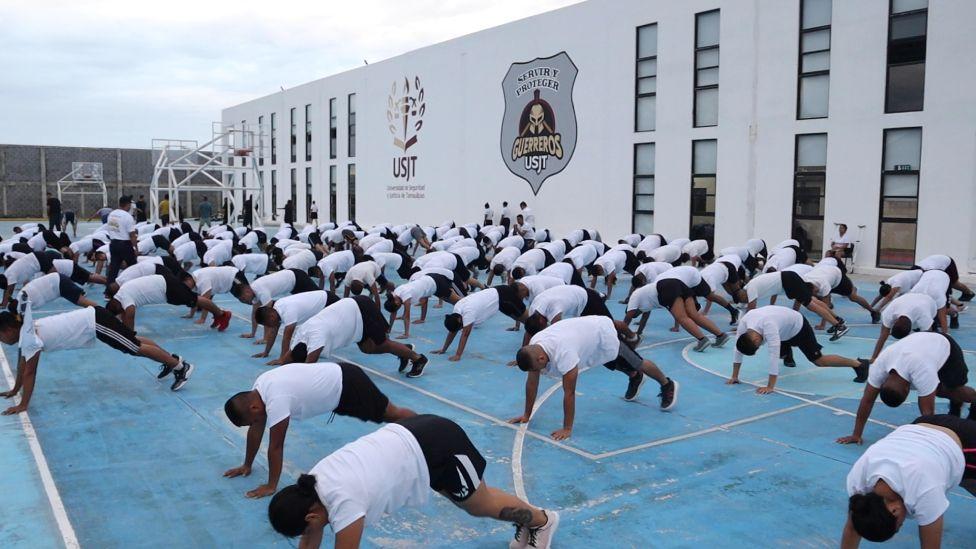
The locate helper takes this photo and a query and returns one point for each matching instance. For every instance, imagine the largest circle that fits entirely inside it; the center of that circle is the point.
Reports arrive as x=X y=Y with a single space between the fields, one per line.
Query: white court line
x=519 y=442
x=54 y=497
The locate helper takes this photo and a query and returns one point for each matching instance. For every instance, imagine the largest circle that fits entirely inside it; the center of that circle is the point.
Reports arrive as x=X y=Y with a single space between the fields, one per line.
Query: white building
x=881 y=133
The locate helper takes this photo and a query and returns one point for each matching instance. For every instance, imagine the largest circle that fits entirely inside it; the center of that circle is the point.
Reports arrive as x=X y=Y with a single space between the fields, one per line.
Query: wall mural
x=405 y=111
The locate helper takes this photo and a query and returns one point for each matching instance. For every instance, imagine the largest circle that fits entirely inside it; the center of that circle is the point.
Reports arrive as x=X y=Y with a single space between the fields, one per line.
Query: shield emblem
x=539 y=125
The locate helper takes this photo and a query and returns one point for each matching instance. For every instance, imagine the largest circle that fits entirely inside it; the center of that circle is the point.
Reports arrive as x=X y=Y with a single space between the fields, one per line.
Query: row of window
x=293 y=135
x=905 y=80
x=898 y=212
x=333 y=191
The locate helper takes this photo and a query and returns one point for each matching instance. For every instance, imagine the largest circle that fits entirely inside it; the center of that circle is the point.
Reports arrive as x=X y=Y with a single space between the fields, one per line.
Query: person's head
x=10 y=324
x=842 y=229
x=512 y=309
x=49 y=195
x=639 y=280
x=294 y=507
x=487 y=205
x=141 y=196
x=3 y=280
x=267 y=316
x=521 y=290
x=498 y=269
x=114 y=306
x=876 y=517
x=204 y=198
x=125 y=202
x=749 y=342
x=522 y=205
x=357 y=287
x=901 y=327
x=517 y=273
x=166 y=196
x=894 y=390
x=536 y=323
x=519 y=219
x=531 y=358
x=241 y=289
x=505 y=204
x=245 y=408
x=595 y=270
x=392 y=303
x=453 y=322
x=884 y=290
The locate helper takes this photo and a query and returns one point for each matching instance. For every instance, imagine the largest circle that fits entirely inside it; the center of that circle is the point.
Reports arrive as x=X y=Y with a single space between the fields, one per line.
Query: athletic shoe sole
x=721 y=340
x=186 y=372
x=674 y=397
x=416 y=372
x=839 y=332
x=549 y=531
x=404 y=362
x=702 y=345
x=636 y=394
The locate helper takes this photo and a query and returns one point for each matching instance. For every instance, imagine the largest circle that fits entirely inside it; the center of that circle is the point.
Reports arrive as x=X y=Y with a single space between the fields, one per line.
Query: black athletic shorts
x=22 y=247
x=69 y=217
x=314 y=239
x=586 y=235
x=111 y=331
x=549 y=257
x=670 y=290
x=360 y=397
x=702 y=289
x=965 y=429
x=303 y=282
x=45 y=261
x=805 y=340
x=795 y=287
x=952 y=271
x=509 y=303
x=845 y=288
x=444 y=286
x=69 y=290
x=733 y=273
x=954 y=372
x=627 y=360
x=176 y=292
x=161 y=242
x=375 y=327
x=595 y=305
x=456 y=467
x=79 y=274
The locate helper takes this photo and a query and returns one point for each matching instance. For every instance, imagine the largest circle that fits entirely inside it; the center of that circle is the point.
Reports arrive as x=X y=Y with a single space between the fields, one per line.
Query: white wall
x=459 y=161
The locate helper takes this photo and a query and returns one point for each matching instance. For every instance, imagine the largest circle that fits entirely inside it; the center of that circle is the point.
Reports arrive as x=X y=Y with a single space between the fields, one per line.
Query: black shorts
x=444 y=286
x=69 y=290
x=161 y=242
x=69 y=217
x=670 y=290
x=303 y=282
x=952 y=271
x=733 y=273
x=314 y=239
x=795 y=287
x=595 y=305
x=177 y=293
x=360 y=397
x=702 y=289
x=966 y=431
x=456 y=467
x=627 y=360
x=111 y=331
x=79 y=274
x=845 y=288
x=805 y=340
x=44 y=262
x=22 y=247
x=418 y=234
x=954 y=372
x=375 y=327
x=509 y=303
x=549 y=257
x=586 y=235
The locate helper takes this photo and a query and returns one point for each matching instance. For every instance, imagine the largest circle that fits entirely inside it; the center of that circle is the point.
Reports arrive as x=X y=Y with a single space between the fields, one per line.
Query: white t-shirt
x=934 y=284
x=666 y=254
x=74 y=330
x=43 y=289
x=764 y=285
x=715 y=275
x=444 y=260
x=146 y=290
x=532 y=261
x=337 y=262
x=303 y=260
x=251 y=263
x=741 y=252
x=652 y=270
x=268 y=287
x=688 y=275
x=780 y=260
x=844 y=239
x=217 y=280
x=560 y=270
x=644 y=298
x=578 y=342
x=920 y=308
x=568 y=301
x=387 y=259
x=917 y=358
x=612 y=261
x=506 y=257
x=64 y=266
x=365 y=271
x=581 y=256
x=776 y=324
x=478 y=307
x=299 y=391
x=919 y=463
x=139 y=270
x=650 y=242
x=536 y=284
x=416 y=289
x=904 y=280
x=22 y=269
x=695 y=248
x=935 y=263
x=824 y=279
x=512 y=241
x=185 y=252
x=295 y=309
x=120 y=225
x=755 y=245
x=332 y=328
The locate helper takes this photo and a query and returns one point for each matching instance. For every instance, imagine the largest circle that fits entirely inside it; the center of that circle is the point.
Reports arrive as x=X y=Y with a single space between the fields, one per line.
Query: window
x=644 y=114
x=643 y=208
x=352 y=191
x=703 y=168
x=260 y=141
x=293 y=136
x=274 y=194
x=333 y=130
x=274 y=139
x=706 y=69
x=814 y=63
x=907 y=24
x=809 y=189
x=351 y=146
x=333 y=195
x=898 y=216
x=293 y=188
x=308 y=193
x=308 y=133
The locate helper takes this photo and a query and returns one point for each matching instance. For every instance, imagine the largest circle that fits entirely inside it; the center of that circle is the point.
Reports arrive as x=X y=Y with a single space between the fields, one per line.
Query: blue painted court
x=134 y=464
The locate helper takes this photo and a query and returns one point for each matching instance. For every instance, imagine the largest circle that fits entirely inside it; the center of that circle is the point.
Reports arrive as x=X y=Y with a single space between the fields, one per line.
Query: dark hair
x=498 y=269
x=901 y=327
x=10 y=320
x=893 y=396
x=389 y=304
x=114 y=306
x=299 y=353
x=534 y=324
x=884 y=290
x=512 y=309
x=524 y=359
x=639 y=280
x=262 y=314
x=356 y=287
x=233 y=408
x=518 y=273
x=3 y=282
x=745 y=345
x=504 y=203
x=486 y=205
x=288 y=507
x=453 y=322
x=871 y=517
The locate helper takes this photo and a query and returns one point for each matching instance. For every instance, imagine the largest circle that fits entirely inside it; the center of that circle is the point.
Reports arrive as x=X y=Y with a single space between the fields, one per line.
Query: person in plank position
x=795 y=288
x=289 y=311
x=422 y=286
x=157 y=289
x=47 y=288
x=782 y=328
x=930 y=362
x=302 y=391
x=906 y=313
x=392 y=468
x=575 y=344
x=76 y=330
x=908 y=474
x=473 y=310
x=264 y=290
x=22 y=270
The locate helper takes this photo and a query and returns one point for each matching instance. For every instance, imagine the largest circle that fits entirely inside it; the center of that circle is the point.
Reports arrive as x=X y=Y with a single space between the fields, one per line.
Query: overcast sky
x=118 y=73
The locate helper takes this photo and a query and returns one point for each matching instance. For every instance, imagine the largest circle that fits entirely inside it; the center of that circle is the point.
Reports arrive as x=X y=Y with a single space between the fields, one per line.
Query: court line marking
x=68 y=536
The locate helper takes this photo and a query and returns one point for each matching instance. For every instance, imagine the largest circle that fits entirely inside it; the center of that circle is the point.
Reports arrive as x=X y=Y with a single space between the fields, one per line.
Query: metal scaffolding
x=85 y=179
x=227 y=164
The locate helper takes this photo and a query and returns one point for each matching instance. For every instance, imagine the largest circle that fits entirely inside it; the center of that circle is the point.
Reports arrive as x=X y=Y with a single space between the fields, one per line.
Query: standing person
x=206 y=213
x=101 y=214
x=289 y=212
x=313 y=213
x=164 y=210
x=121 y=229
x=249 y=211
x=141 y=208
x=506 y=220
x=53 y=212
x=527 y=214
x=489 y=216
x=69 y=219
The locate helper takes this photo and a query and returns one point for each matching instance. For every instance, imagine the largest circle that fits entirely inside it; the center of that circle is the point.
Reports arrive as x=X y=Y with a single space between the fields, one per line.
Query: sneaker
x=789 y=361
x=669 y=394
x=215 y=321
x=521 y=538
x=967 y=296
x=833 y=329
x=633 y=341
x=165 y=370
x=541 y=537
x=405 y=361
x=702 y=344
x=634 y=386
x=875 y=317
x=418 y=367
x=224 y=321
x=735 y=317
x=839 y=332
x=181 y=376
x=862 y=370
x=721 y=340
x=954 y=322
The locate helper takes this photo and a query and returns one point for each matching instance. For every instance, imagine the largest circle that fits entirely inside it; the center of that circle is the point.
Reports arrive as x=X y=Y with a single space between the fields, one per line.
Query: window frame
x=881 y=194
x=308 y=193
x=801 y=76
x=796 y=177
x=694 y=175
x=274 y=139
x=634 y=212
x=333 y=192
x=351 y=125
x=638 y=78
x=293 y=136
x=333 y=130
x=274 y=195
x=308 y=132
x=261 y=140
x=888 y=64
x=695 y=87
x=351 y=191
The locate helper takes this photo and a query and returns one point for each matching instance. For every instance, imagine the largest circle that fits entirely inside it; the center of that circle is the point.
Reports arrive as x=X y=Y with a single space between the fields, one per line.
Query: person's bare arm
x=930 y=535
x=276 y=453
x=270 y=336
x=882 y=338
x=863 y=413
x=850 y=538
x=926 y=404
x=255 y=433
x=447 y=343
x=462 y=343
x=285 y=344
x=407 y=305
x=254 y=322
x=569 y=405
x=351 y=536
x=643 y=322
x=531 y=391
x=25 y=378
x=313 y=356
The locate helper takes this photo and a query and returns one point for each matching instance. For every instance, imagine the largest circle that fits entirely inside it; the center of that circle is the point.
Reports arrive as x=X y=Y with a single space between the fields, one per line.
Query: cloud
x=119 y=73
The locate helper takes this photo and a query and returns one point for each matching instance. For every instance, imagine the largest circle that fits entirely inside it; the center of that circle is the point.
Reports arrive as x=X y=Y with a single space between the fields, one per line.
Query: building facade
x=722 y=119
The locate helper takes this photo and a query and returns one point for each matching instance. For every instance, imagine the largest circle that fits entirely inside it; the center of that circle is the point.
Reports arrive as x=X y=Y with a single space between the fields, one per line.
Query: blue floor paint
x=138 y=465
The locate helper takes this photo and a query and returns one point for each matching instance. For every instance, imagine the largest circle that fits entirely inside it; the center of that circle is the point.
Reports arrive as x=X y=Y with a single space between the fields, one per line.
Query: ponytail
x=288 y=507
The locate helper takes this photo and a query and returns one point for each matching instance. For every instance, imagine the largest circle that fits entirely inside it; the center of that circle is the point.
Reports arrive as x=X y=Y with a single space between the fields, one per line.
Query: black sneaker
x=165 y=370
x=405 y=361
x=955 y=409
x=862 y=370
x=967 y=296
x=875 y=317
x=789 y=361
x=839 y=331
x=181 y=376
x=634 y=386
x=735 y=317
x=832 y=329
x=721 y=340
x=669 y=394
x=954 y=322
x=418 y=367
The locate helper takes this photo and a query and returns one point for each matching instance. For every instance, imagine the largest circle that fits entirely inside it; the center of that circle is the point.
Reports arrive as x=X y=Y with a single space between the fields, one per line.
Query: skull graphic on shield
x=539 y=125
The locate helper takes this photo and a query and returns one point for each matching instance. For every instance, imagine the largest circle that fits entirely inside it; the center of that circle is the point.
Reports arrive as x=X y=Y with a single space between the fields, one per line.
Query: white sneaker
x=541 y=537
x=521 y=539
